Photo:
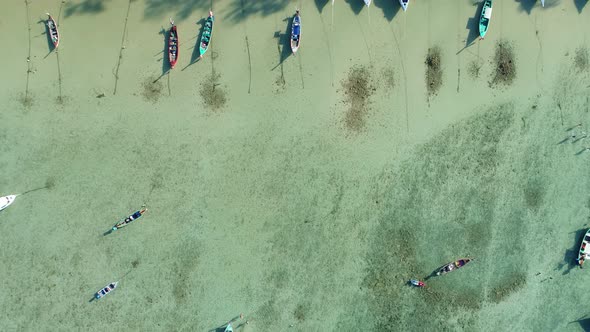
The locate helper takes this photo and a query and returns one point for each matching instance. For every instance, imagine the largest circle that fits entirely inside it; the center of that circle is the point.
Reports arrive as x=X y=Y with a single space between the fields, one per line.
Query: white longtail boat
x=404 y=4
x=5 y=201
x=367 y=2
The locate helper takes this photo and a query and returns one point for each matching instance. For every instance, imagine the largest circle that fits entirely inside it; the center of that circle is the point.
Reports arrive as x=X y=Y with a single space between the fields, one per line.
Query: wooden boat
x=367 y=2
x=5 y=201
x=172 y=45
x=105 y=290
x=452 y=266
x=206 y=36
x=582 y=255
x=52 y=31
x=404 y=4
x=484 y=20
x=129 y=219
x=296 y=32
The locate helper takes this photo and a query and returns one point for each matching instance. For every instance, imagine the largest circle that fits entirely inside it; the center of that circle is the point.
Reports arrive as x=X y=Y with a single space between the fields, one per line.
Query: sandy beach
x=304 y=190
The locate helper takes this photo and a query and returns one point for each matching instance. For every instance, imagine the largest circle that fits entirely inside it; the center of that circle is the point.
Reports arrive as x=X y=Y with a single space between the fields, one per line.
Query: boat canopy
x=488 y=13
x=297 y=30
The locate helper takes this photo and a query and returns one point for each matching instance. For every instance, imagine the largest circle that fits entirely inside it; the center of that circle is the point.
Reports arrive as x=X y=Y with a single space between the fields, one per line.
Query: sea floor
x=304 y=190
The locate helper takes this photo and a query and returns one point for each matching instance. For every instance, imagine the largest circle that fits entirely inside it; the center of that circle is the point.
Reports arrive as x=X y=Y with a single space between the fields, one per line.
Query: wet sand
x=270 y=203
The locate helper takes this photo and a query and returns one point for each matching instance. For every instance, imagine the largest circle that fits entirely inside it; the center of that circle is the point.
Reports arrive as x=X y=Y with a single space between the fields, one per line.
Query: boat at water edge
x=404 y=4
x=484 y=20
x=5 y=201
x=52 y=31
x=367 y=2
x=172 y=45
x=206 y=36
x=296 y=32
x=452 y=266
x=582 y=254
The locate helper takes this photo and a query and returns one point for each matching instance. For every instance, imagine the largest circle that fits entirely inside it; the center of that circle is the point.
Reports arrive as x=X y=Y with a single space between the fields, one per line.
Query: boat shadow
x=85 y=7
x=50 y=45
x=284 y=40
x=165 y=63
x=195 y=54
x=473 y=27
x=570 y=255
x=389 y=8
x=580 y=5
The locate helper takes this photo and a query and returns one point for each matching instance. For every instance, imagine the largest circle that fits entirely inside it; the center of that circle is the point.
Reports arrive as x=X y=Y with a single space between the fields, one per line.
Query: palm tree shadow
x=584 y=323
x=320 y=4
x=580 y=5
x=527 y=5
x=570 y=255
x=284 y=40
x=473 y=27
x=356 y=5
x=390 y=9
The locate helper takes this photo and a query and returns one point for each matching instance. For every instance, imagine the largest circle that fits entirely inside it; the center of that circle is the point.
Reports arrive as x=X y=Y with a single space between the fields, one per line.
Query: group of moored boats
x=203 y=43
x=173 y=43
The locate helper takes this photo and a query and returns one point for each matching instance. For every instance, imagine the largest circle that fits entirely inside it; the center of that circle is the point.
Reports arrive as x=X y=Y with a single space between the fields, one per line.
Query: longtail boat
x=172 y=45
x=404 y=4
x=296 y=32
x=582 y=254
x=484 y=20
x=367 y=2
x=5 y=201
x=543 y=3
x=105 y=290
x=206 y=36
x=52 y=31
x=452 y=266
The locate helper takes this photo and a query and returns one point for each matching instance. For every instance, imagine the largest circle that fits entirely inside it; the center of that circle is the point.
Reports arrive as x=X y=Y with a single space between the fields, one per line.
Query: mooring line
x=249 y=65
x=365 y=39
x=121 y=48
x=329 y=50
x=301 y=71
x=401 y=60
x=247 y=47
x=29 y=54
x=169 y=92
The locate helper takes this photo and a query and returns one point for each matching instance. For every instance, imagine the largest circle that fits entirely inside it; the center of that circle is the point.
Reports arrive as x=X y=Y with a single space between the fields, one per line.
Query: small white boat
x=543 y=3
x=106 y=290
x=367 y=2
x=5 y=201
x=404 y=4
x=228 y=328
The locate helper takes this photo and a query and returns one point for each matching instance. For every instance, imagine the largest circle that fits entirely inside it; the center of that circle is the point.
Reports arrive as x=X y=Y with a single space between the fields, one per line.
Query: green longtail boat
x=484 y=20
x=206 y=36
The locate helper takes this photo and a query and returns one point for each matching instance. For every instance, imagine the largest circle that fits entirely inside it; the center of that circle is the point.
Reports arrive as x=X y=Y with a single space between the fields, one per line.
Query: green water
x=268 y=203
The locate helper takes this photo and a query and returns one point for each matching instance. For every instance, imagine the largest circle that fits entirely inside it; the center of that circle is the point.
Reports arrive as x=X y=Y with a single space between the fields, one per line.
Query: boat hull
x=52 y=31
x=206 y=36
x=582 y=253
x=404 y=4
x=484 y=20
x=5 y=201
x=296 y=33
x=452 y=266
x=105 y=290
x=173 y=46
